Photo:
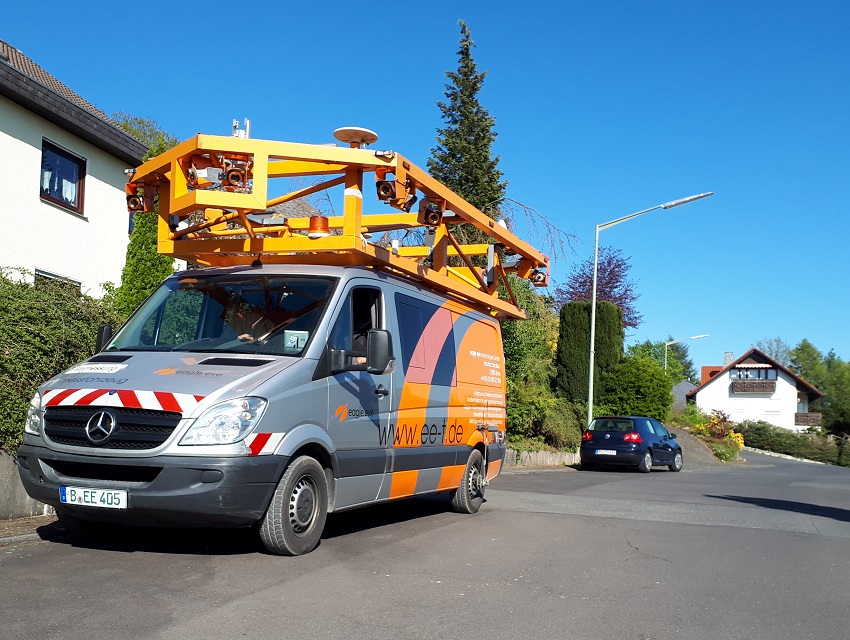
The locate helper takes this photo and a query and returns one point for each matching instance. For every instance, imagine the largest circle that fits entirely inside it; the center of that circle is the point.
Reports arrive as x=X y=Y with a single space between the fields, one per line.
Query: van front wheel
x=470 y=495
x=296 y=516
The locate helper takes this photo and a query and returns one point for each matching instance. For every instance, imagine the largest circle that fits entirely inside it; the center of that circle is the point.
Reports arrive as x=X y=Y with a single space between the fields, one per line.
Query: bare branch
x=555 y=242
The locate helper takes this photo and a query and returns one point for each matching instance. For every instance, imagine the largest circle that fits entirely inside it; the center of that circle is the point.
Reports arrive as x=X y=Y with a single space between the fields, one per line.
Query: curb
x=19 y=530
x=15 y=539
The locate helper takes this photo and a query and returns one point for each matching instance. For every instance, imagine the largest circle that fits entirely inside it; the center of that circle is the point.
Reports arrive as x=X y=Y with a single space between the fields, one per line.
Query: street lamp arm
x=704 y=335
x=607 y=225
x=676 y=203
x=666 y=205
x=667 y=344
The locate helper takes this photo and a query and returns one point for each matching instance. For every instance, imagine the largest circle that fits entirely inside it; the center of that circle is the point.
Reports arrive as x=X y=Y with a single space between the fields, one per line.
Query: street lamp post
x=667 y=344
x=600 y=227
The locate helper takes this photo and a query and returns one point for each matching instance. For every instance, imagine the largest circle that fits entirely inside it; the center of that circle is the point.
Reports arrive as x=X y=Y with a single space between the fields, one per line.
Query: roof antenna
x=242 y=133
x=257 y=263
x=356 y=136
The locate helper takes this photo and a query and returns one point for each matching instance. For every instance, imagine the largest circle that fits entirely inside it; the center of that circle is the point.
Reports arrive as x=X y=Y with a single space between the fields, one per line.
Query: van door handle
x=381 y=391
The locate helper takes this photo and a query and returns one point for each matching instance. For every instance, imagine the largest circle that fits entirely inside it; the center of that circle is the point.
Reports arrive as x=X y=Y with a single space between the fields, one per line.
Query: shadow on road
x=348 y=522
x=834 y=513
x=187 y=541
x=211 y=541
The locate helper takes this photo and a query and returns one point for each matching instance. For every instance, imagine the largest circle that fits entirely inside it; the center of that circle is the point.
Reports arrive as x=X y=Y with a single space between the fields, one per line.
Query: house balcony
x=808 y=419
x=753 y=386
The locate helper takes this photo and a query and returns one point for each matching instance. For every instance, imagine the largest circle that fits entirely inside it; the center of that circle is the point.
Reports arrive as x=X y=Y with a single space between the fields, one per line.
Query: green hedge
x=45 y=328
x=810 y=446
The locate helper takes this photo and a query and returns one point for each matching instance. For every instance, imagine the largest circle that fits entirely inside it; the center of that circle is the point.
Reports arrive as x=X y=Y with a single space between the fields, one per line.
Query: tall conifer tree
x=572 y=359
x=462 y=159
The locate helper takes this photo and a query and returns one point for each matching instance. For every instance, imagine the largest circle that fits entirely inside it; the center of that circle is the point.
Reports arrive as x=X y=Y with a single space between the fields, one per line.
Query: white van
x=182 y=420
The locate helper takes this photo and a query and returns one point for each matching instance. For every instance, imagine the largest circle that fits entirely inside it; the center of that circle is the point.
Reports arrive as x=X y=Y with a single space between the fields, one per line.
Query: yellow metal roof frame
x=227 y=178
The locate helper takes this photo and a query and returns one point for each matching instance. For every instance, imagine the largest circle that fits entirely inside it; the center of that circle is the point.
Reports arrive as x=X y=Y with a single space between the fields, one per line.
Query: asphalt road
x=747 y=551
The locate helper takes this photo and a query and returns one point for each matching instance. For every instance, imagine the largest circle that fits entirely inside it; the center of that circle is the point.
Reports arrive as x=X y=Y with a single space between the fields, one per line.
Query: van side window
x=428 y=350
x=360 y=313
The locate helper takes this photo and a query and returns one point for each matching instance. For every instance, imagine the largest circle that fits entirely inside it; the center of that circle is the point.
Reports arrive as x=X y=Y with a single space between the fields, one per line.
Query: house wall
x=90 y=249
x=777 y=408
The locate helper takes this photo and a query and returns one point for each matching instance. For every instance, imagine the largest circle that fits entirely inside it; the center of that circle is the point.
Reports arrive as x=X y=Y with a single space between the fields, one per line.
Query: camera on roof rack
x=431 y=211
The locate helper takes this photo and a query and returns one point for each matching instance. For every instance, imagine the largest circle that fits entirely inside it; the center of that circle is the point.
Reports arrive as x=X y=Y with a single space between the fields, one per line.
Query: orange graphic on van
x=341 y=412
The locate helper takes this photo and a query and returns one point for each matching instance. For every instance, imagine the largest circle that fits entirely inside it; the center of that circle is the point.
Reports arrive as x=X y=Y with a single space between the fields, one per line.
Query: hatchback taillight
x=632 y=436
x=587 y=436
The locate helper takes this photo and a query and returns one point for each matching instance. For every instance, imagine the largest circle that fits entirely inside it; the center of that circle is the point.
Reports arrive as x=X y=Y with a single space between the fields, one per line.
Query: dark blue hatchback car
x=630 y=440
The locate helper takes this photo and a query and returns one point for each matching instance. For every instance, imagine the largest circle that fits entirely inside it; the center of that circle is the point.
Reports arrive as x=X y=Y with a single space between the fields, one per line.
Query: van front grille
x=136 y=429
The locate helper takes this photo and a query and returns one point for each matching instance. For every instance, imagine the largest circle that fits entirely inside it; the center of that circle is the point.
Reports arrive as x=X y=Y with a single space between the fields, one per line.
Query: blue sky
x=602 y=109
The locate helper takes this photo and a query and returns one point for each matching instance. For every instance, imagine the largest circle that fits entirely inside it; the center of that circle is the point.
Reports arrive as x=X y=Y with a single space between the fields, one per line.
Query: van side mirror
x=379 y=355
x=104 y=335
x=379 y=350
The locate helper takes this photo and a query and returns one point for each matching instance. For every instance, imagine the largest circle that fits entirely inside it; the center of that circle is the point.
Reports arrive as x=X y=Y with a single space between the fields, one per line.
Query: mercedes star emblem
x=100 y=427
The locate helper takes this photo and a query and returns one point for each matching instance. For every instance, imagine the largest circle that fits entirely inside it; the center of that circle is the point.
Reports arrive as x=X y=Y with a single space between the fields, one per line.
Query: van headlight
x=33 y=423
x=225 y=423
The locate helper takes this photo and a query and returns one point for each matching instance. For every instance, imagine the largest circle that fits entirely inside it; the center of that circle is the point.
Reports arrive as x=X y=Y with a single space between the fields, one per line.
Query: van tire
x=296 y=516
x=469 y=497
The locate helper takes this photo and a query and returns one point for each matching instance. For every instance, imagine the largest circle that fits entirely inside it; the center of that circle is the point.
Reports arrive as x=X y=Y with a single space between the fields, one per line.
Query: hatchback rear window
x=612 y=424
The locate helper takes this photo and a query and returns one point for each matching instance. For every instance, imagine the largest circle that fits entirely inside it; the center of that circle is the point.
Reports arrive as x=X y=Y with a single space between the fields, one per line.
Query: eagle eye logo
x=341 y=412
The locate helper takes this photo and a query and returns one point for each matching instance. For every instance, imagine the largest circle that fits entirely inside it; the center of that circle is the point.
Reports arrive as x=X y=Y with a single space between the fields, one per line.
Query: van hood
x=162 y=381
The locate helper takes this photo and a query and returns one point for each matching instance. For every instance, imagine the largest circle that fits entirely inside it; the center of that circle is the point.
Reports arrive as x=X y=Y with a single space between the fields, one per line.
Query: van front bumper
x=191 y=491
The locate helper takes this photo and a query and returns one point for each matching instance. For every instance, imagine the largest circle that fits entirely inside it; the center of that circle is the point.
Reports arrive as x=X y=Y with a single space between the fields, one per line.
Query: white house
x=756 y=387
x=62 y=202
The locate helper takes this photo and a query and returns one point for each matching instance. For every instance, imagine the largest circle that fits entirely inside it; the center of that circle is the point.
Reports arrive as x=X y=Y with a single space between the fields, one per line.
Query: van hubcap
x=475 y=482
x=302 y=505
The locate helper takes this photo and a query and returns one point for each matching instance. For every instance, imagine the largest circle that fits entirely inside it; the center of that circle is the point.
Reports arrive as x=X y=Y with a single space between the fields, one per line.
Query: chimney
x=728 y=358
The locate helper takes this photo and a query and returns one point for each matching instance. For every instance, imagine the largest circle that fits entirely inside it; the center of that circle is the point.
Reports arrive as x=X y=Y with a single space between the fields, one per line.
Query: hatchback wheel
x=678 y=462
x=645 y=465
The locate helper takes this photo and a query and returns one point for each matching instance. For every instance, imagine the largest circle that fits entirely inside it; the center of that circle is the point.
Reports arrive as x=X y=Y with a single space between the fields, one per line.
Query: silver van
x=270 y=396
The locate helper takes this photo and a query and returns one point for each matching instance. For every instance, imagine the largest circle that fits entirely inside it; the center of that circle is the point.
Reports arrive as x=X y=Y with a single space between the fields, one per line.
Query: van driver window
x=361 y=312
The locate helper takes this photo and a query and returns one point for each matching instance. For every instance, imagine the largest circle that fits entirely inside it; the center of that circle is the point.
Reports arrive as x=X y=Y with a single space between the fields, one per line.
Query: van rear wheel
x=296 y=516
x=469 y=497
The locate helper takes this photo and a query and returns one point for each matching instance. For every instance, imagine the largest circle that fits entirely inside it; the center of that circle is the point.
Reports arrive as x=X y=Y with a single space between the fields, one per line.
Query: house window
x=753 y=374
x=62 y=177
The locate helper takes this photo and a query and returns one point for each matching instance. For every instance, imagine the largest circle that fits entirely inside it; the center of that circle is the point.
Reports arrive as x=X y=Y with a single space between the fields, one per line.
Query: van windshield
x=262 y=314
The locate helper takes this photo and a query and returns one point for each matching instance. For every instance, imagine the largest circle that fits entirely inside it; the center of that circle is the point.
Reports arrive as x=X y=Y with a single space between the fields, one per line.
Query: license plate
x=606 y=452
x=106 y=498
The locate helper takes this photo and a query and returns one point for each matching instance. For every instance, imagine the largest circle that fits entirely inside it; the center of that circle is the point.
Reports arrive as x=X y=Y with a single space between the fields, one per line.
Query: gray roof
x=26 y=83
x=299 y=208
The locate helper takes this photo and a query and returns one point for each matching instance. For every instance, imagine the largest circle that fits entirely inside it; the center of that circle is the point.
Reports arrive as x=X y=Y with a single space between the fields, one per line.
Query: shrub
x=44 y=328
x=536 y=416
x=738 y=439
x=562 y=425
x=763 y=435
x=725 y=450
x=811 y=446
x=687 y=418
x=638 y=386
x=719 y=425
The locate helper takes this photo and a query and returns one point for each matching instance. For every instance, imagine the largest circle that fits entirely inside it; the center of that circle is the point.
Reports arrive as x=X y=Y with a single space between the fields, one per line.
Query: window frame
x=79 y=162
x=41 y=276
